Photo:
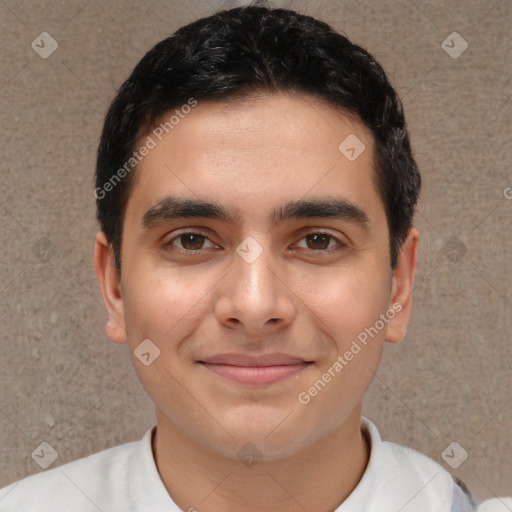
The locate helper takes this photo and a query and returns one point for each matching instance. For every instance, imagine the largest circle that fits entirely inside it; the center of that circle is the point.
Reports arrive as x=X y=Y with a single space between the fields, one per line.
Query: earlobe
x=402 y=286
x=109 y=280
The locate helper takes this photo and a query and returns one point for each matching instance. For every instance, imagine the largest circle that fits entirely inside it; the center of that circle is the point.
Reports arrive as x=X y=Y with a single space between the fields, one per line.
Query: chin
x=274 y=438
x=272 y=448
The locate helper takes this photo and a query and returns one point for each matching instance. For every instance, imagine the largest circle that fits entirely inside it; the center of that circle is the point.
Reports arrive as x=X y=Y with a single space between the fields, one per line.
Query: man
x=255 y=191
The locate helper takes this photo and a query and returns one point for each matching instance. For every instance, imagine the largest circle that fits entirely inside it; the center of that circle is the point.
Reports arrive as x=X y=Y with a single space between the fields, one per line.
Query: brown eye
x=318 y=241
x=191 y=241
x=187 y=242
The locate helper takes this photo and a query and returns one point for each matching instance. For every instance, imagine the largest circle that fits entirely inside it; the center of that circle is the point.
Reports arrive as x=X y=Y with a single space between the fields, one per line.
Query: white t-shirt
x=125 y=478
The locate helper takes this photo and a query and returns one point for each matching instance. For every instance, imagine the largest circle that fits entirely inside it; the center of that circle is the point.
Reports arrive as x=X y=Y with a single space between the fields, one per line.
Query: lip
x=255 y=370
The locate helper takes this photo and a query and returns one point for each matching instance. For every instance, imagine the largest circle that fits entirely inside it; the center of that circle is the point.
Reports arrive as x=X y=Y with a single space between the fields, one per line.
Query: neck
x=320 y=477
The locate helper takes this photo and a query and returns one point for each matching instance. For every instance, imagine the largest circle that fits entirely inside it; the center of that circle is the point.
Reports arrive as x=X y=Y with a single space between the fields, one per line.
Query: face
x=257 y=297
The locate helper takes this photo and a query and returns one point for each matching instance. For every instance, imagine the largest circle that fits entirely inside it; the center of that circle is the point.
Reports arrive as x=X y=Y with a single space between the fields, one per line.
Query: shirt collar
x=145 y=487
x=396 y=478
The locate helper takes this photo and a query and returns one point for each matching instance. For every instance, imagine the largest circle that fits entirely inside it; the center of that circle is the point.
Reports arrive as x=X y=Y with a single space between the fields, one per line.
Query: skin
x=252 y=156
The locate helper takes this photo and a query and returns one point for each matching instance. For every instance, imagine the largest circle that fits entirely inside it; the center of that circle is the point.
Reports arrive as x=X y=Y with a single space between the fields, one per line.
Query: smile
x=256 y=375
x=255 y=370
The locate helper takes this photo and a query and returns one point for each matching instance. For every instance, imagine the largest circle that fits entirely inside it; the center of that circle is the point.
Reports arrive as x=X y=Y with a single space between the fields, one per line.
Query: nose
x=255 y=296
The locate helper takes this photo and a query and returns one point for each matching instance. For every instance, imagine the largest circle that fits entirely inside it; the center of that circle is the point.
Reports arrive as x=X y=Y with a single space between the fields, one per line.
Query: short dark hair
x=248 y=50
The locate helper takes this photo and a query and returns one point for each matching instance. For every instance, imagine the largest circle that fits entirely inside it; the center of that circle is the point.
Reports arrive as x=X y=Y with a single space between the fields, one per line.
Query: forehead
x=266 y=148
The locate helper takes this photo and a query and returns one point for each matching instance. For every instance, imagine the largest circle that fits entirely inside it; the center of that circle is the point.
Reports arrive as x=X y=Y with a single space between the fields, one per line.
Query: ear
x=109 y=279
x=401 y=288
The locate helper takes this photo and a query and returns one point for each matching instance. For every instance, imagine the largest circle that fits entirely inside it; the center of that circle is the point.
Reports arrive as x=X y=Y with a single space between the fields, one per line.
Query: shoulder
x=82 y=486
x=402 y=478
x=427 y=481
x=416 y=482
x=496 y=505
x=462 y=499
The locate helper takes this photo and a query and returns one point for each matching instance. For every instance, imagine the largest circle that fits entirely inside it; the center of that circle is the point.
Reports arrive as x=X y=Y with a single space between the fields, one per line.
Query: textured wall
x=63 y=382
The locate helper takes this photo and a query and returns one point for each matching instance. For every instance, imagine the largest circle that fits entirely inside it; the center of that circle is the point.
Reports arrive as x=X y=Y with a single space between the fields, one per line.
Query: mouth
x=255 y=370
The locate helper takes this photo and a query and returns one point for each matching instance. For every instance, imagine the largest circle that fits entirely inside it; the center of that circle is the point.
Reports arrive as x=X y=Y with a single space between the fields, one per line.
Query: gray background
x=63 y=382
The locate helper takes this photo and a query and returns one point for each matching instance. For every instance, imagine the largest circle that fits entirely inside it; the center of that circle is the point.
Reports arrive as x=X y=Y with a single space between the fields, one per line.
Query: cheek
x=348 y=305
x=355 y=310
x=165 y=308
x=346 y=300
x=164 y=305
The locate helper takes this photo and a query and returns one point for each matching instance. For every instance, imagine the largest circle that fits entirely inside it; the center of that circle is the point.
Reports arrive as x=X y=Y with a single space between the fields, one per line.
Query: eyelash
x=198 y=252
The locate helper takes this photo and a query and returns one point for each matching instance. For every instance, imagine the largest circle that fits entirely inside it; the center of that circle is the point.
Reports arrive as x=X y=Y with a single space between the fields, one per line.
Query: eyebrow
x=171 y=208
